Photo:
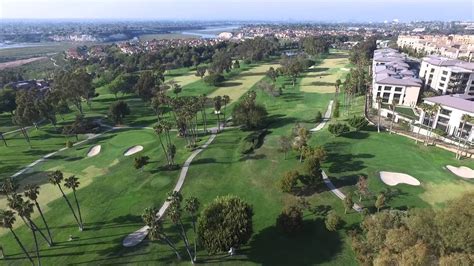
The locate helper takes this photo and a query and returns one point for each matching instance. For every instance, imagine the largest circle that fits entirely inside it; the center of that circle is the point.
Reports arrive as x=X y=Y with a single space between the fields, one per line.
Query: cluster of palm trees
x=24 y=209
x=175 y=214
x=431 y=111
x=169 y=149
x=465 y=119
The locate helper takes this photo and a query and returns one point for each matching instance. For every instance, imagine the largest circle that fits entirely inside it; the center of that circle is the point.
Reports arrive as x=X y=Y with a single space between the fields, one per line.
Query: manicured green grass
x=114 y=194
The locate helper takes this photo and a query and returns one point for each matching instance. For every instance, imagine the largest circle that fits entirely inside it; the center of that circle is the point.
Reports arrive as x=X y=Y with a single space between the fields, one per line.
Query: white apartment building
x=449 y=116
x=447 y=76
x=451 y=46
x=393 y=80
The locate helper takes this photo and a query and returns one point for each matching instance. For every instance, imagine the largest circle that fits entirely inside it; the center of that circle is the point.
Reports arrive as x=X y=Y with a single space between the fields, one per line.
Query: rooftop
x=443 y=61
x=457 y=101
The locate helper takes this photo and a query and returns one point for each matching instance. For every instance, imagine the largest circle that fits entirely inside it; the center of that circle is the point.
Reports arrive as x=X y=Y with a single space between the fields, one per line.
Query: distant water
x=18 y=45
x=210 y=32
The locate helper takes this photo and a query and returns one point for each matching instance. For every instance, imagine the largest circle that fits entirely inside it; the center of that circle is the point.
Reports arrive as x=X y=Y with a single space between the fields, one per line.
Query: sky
x=276 y=10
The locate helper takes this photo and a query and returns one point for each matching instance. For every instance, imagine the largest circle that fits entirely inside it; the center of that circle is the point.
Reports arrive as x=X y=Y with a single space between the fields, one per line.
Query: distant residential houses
x=451 y=46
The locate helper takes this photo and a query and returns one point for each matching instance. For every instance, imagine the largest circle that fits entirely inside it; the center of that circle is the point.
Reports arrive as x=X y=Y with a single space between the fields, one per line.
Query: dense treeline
x=419 y=236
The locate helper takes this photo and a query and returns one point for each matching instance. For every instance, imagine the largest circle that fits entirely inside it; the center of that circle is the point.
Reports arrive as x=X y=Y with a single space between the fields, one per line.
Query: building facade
x=451 y=46
x=449 y=117
x=393 y=80
x=447 y=76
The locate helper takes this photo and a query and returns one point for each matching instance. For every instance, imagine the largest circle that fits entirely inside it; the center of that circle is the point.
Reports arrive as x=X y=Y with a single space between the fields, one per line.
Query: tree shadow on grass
x=314 y=245
x=356 y=135
x=322 y=83
x=277 y=121
x=230 y=84
x=291 y=97
x=341 y=162
x=344 y=181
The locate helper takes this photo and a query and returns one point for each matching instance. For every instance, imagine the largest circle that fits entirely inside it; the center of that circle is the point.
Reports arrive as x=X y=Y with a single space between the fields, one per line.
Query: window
x=398 y=89
x=445 y=112
x=443 y=120
x=388 y=88
x=441 y=84
x=445 y=72
x=386 y=95
x=432 y=70
x=443 y=78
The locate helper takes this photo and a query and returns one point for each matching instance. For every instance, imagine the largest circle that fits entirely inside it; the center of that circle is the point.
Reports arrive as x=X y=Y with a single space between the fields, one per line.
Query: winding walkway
x=327 y=181
x=337 y=192
x=137 y=237
x=326 y=118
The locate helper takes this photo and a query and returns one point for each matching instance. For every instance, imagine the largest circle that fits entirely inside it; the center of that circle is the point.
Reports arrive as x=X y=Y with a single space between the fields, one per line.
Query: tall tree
x=56 y=178
x=156 y=230
x=379 y=107
x=226 y=100
x=175 y=215
x=74 y=87
x=118 y=110
x=32 y=192
x=73 y=183
x=393 y=107
x=217 y=110
x=191 y=206
x=25 y=210
x=7 y=219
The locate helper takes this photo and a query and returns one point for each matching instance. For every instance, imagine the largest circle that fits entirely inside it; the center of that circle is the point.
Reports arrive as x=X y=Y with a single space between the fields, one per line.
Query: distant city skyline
x=278 y=10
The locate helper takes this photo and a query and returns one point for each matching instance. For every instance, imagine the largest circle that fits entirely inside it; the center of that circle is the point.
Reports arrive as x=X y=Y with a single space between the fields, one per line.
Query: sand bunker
x=462 y=171
x=94 y=151
x=393 y=179
x=133 y=150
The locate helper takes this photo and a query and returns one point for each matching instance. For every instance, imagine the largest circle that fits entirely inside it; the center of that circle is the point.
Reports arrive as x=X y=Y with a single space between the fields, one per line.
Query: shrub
x=289 y=180
x=338 y=129
x=358 y=122
x=319 y=117
x=290 y=220
x=214 y=79
x=224 y=223
x=332 y=221
x=69 y=144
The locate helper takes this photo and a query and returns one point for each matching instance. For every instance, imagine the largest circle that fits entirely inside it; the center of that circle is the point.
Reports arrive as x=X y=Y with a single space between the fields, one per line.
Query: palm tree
x=338 y=85
x=226 y=99
x=217 y=110
x=159 y=130
x=174 y=213
x=202 y=102
x=32 y=192
x=56 y=178
x=16 y=202
x=393 y=105
x=192 y=206
x=156 y=230
x=379 y=106
x=9 y=186
x=466 y=148
x=433 y=111
x=465 y=118
x=7 y=219
x=25 y=210
x=424 y=107
x=73 y=183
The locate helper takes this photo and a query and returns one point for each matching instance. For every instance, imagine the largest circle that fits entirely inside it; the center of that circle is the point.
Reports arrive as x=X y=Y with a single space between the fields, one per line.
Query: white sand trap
x=462 y=171
x=94 y=151
x=133 y=150
x=393 y=179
